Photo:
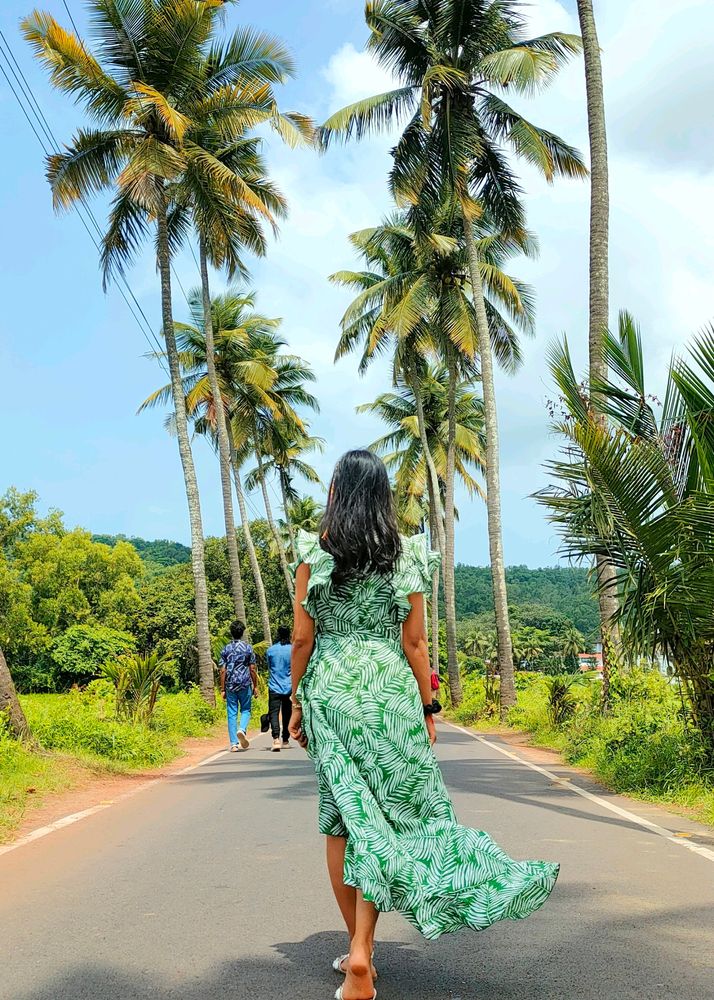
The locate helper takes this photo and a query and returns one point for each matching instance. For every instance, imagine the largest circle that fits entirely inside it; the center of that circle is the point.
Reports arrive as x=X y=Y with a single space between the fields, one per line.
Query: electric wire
x=27 y=100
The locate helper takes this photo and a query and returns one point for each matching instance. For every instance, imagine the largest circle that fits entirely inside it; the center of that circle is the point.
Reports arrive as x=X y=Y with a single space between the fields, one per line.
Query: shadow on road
x=589 y=960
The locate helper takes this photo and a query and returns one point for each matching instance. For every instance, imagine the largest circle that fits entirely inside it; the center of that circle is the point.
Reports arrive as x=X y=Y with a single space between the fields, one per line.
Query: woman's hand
x=430 y=728
x=295 y=727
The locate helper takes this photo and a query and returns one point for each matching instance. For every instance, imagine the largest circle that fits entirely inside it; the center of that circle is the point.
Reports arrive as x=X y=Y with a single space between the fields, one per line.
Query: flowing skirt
x=380 y=786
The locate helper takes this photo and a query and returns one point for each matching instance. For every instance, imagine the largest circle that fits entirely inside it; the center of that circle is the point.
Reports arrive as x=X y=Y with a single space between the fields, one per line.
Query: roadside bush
x=82 y=650
x=185 y=714
x=137 y=680
x=84 y=723
x=562 y=699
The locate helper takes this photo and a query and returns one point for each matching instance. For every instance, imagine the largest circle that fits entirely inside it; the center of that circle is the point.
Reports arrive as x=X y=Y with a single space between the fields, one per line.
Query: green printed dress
x=378 y=779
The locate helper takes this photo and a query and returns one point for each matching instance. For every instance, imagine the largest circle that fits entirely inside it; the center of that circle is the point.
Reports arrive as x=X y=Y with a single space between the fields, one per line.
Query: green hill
x=564 y=589
x=161 y=552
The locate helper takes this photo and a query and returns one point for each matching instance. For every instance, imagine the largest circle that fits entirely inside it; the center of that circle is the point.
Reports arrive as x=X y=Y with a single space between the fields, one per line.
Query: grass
x=78 y=734
x=645 y=747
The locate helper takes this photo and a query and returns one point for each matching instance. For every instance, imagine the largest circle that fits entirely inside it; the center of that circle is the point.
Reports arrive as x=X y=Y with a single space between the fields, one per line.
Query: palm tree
x=305 y=514
x=284 y=445
x=639 y=491
x=453 y=58
x=256 y=408
x=402 y=449
x=572 y=643
x=228 y=199
x=416 y=296
x=10 y=706
x=599 y=289
x=403 y=452
x=231 y=320
x=141 y=94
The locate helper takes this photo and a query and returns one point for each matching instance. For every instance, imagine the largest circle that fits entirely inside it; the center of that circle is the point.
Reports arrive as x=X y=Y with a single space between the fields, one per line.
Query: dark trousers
x=276 y=703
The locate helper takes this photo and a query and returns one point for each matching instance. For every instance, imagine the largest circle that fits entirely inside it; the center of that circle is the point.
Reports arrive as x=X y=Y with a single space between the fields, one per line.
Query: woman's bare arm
x=415 y=647
x=416 y=651
x=303 y=645
x=303 y=629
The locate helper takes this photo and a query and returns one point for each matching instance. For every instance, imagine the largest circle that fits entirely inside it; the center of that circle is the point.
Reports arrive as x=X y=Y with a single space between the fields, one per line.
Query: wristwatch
x=432 y=709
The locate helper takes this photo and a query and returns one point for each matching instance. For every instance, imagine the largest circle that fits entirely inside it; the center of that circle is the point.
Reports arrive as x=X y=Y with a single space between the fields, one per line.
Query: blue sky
x=71 y=357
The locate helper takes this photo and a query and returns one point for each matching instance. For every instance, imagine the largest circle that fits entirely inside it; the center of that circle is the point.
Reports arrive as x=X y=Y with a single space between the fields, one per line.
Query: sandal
x=340 y=995
x=339 y=965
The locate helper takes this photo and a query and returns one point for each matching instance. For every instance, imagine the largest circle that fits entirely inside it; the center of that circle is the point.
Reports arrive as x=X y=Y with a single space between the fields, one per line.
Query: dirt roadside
x=91 y=788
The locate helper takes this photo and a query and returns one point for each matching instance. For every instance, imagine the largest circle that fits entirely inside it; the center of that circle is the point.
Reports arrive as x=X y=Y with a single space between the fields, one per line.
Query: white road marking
x=570 y=786
x=59 y=824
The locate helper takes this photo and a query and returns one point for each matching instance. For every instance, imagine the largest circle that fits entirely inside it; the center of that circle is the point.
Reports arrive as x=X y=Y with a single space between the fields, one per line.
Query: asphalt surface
x=211 y=884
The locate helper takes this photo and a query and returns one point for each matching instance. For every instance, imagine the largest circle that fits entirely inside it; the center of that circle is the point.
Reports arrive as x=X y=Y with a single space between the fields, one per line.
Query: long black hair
x=359 y=526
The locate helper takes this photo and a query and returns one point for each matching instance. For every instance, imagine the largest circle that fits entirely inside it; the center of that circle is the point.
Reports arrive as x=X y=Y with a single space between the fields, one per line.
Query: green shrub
x=562 y=699
x=185 y=714
x=82 y=650
x=137 y=679
x=84 y=723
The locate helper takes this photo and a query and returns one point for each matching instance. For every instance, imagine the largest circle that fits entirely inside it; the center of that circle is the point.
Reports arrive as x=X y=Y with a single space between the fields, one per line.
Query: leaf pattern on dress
x=378 y=780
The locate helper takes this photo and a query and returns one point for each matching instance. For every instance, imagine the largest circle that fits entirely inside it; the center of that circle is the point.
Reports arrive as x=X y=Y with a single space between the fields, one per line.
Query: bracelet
x=433 y=709
x=295 y=704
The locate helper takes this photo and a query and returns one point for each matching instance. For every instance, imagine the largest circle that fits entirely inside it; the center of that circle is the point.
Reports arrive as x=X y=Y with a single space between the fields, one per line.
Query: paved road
x=211 y=885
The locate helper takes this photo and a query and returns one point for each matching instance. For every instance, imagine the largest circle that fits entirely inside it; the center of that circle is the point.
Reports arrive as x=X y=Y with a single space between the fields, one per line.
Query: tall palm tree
x=10 y=705
x=454 y=59
x=231 y=319
x=229 y=199
x=416 y=297
x=599 y=290
x=403 y=452
x=402 y=449
x=639 y=491
x=255 y=411
x=141 y=95
x=285 y=444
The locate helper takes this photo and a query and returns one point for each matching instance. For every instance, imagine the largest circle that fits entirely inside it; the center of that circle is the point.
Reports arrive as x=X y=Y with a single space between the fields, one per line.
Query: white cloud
x=353 y=75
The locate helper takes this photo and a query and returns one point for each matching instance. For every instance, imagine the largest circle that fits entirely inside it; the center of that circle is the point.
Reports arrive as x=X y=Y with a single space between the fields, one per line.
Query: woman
x=367 y=721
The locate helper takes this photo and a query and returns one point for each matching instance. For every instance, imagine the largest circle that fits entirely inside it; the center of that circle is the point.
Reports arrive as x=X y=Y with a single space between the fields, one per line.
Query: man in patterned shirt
x=239 y=682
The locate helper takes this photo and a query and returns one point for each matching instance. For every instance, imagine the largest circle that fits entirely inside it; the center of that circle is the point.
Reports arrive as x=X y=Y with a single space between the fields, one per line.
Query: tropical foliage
x=639 y=492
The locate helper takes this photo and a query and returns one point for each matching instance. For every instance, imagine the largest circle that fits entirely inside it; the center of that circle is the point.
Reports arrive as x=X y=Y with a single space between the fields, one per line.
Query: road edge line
x=703 y=852
x=60 y=824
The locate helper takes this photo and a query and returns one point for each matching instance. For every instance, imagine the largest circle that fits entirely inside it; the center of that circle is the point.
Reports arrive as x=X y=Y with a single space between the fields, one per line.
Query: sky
x=73 y=369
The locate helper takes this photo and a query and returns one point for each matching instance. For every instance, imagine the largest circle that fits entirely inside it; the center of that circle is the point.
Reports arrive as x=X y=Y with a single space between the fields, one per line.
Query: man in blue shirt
x=280 y=687
x=239 y=681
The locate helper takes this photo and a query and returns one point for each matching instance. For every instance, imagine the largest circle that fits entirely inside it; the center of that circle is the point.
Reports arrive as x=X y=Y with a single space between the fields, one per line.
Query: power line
x=26 y=98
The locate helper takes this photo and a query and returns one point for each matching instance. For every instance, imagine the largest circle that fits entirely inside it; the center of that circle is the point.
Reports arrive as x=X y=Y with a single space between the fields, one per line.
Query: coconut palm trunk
x=432 y=474
x=286 y=511
x=599 y=292
x=9 y=703
x=224 y=452
x=493 y=479
x=434 y=596
x=250 y=545
x=449 y=554
x=271 y=520
x=203 y=636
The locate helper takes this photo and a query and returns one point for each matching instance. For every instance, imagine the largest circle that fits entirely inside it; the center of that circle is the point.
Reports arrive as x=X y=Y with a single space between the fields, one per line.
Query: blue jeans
x=243 y=698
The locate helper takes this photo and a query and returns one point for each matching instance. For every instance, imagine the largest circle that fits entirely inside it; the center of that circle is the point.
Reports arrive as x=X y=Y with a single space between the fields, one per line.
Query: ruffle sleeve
x=414 y=571
x=321 y=563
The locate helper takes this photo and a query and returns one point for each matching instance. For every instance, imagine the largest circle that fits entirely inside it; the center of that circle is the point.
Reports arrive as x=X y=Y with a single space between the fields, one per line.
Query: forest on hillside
x=565 y=589
x=161 y=551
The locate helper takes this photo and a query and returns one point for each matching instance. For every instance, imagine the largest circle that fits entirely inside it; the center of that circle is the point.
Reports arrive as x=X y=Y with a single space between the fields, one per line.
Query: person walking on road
x=239 y=682
x=280 y=687
x=363 y=707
